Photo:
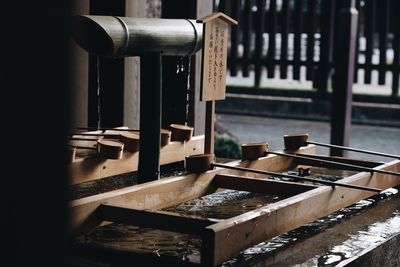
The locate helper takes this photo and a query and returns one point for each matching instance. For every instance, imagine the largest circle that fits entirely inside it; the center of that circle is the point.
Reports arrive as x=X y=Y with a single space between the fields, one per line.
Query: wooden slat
x=271 y=39
x=298 y=28
x=83 y=170
x=209 y=127
x=260 y=21
x=155 y=219
x=285 y=13
x=233 y=53
x=369 y=37
x=310 y=22
x=168 y=191
x=343 y=78
x=326 y=46
x=253 y=227
x=247 y=25
x=358 y=7
x=383 y=19
x=396 y=50
x=279 y=188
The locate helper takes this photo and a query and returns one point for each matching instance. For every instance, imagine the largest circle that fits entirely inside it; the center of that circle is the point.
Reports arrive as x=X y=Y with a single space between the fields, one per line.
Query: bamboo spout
x=123 y=36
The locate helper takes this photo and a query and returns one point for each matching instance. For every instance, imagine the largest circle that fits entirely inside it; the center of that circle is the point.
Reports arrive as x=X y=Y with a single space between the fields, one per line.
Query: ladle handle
x=355 y=149
x=359 y=187
x=323 y=163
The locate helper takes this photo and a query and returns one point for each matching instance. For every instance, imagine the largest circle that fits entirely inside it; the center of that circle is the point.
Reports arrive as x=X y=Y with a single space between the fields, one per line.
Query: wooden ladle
x=181 y=133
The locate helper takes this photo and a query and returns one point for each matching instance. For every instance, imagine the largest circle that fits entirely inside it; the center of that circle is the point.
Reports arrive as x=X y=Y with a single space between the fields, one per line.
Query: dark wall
x=35 y=59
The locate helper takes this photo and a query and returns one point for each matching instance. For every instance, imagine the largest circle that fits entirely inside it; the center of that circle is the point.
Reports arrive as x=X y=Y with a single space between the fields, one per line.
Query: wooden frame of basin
x=224 y=239
x=89 y=169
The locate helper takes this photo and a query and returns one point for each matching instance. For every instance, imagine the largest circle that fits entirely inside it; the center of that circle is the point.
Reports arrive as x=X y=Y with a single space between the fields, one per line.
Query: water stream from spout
x=188 y=90
x=98 y=94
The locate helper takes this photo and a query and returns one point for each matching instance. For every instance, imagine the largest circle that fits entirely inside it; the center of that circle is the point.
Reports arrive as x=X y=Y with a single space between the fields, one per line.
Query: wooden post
x=131 y=106
x=327 y=31
x=150 y=117
x=209 y=131
x=344 y=74
x=213 y=71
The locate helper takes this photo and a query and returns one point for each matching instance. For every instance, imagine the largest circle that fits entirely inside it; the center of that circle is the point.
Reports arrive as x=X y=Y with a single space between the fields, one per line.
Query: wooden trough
x=141 y=205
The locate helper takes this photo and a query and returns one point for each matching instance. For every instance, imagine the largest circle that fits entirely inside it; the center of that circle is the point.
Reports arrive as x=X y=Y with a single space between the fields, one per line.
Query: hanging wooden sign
x=214 y=60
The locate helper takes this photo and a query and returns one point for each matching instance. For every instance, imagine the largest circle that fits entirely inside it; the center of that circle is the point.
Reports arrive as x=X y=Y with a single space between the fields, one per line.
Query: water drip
x=98 y=95
x=188 y=90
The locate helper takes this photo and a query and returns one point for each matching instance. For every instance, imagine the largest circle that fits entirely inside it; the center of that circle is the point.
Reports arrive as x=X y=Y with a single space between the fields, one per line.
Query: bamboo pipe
x=295 y=141
x=256 y=150
x=113 y=36
x=204 y=162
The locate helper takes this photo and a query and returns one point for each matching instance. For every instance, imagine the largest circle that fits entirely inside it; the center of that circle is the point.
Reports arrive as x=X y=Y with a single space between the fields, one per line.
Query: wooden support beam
x=89 y=169
x=209 y=128
x=343 y=78
x=279 y=188
x=253 y=227
x=150 y=117
x=155 y=219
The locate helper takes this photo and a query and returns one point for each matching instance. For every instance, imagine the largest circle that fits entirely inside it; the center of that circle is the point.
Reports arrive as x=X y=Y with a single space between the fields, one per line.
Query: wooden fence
x=276 y=34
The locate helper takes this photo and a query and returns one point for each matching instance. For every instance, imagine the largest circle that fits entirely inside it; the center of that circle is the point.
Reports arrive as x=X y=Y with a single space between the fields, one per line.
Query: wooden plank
x=247 y=25
x=234 y=52
x=150 y=116
x=285 y=13
x=166 y=192
x=209 y=128
x=279 y=188
x=89 y=169
x=343 y=79
x=326 y=52
x=310 y=22
x=298 y=28
x=369 y=37
x=396 y=50
x=359 y=9
x=383 y=19
x=271 y=39
x=253 y=227
x=155 y=219
x=258 y=53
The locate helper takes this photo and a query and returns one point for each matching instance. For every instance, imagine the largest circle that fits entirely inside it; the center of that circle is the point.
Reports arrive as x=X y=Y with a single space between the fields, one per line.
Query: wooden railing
x=277 y=34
